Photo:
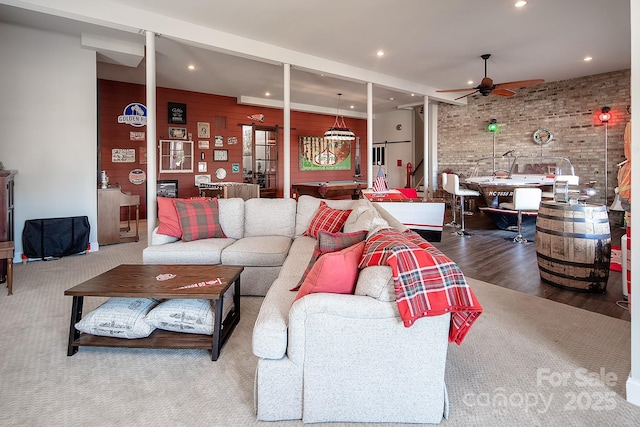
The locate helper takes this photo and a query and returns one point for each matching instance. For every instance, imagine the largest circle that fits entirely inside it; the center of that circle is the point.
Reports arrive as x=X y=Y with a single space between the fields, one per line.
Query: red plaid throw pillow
x=199 y=219
x=379 y=246
x=331 y=242
x=327 y=219
x=168 y=216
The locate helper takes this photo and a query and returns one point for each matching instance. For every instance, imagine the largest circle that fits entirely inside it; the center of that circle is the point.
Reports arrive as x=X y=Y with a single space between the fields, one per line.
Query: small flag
x=217 y=281
x=380 y=184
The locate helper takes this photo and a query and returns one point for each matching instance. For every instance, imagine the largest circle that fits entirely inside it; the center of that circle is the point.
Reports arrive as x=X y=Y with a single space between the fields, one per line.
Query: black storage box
x=55 y=237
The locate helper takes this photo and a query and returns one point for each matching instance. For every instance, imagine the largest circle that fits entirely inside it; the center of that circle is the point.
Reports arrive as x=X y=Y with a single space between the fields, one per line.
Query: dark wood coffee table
x=139 y=281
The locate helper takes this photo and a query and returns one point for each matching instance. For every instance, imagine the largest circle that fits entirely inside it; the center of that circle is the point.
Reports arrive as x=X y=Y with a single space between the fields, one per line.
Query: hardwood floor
x=489 y=255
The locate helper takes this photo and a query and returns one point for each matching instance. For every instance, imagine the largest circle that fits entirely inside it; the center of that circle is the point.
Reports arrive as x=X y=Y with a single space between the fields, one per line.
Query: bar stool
x=453 y=187
x=561 y=181
x=453 y=223
x=525 y=199
x=6 y=252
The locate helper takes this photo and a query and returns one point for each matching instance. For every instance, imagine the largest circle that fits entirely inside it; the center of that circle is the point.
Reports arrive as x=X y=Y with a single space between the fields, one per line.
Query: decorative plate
x=221 y=173
x=542 y=136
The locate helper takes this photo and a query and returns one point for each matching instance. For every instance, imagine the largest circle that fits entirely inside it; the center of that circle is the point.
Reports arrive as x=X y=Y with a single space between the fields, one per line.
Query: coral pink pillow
x=334 y=272
x=327 y=219
x=168 y=217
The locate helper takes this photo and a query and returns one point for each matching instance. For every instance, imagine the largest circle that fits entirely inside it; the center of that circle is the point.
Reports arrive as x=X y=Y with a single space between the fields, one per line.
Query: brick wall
x=568 y=108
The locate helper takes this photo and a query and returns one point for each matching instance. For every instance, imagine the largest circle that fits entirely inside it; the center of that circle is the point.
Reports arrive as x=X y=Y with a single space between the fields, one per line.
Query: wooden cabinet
x=7 y=230
x=110 y=200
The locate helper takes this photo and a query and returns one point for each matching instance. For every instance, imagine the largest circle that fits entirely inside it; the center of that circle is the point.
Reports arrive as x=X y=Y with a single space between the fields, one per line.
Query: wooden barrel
x=573 y=245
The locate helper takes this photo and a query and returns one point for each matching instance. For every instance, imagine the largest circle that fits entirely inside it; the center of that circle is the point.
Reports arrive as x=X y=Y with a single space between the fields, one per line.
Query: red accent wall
x=113 y=97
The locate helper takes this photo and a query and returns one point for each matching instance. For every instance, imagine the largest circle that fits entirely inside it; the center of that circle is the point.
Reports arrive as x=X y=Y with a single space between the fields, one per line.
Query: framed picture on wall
x=177 y=113
x=178 y=133
x=220 y=155
x=167 y=188
x=204 y=130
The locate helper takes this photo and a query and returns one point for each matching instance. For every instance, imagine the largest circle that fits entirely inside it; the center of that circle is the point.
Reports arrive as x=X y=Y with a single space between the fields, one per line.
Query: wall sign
x=177 y=113
x=204 y=130
x=134 y=114
x=123 y=155
x=137 y=176
x=318 y=153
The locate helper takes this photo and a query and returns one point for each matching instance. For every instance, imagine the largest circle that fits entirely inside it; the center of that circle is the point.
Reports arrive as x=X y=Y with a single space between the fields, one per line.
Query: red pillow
x=331 y=242
x=199 y=219
x=168 y=217
x=335 y=272
x=327 y=219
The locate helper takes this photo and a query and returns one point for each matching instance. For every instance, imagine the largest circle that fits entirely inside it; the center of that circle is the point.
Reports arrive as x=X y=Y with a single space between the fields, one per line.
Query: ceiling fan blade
x=503 y=92
x=520 y=83
x=469 y=94
x=456 y=90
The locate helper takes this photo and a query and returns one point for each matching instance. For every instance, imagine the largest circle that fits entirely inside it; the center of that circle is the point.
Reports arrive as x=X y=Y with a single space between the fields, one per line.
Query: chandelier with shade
x=339 y=131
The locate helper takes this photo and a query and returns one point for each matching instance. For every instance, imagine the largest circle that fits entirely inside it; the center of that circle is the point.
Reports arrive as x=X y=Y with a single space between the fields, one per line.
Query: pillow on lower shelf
x=119 y=318
x=193 y=316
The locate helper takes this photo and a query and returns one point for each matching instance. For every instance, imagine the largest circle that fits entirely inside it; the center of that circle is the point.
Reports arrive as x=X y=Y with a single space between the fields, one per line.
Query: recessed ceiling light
x=470 y=82
x=413 y=94
x=267 y=94
x=380 y=53
x=391 y=98
x=352 y=106
x=191 y=67
x=588 y=58
x=520 y=3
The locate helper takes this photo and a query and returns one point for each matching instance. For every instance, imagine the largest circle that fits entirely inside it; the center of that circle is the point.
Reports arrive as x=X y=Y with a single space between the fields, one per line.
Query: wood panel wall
x=114 y=96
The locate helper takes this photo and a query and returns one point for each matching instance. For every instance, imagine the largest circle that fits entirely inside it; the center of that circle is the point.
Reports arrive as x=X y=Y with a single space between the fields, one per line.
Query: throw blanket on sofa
x=427 y=282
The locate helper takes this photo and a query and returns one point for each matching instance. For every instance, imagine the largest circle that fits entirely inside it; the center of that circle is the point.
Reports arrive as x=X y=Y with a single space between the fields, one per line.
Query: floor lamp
x=604 y=117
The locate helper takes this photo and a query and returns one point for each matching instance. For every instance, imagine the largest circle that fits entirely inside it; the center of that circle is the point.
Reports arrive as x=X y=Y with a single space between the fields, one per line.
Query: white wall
x=48 y=117
x=633 y=382
x=384 y=129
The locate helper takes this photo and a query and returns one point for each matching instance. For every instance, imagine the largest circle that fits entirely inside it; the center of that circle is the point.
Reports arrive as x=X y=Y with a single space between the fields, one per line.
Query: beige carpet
x=527 y=361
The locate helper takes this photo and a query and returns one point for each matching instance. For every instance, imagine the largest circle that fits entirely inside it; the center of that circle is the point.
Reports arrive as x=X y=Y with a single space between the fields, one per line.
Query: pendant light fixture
x=339 y=131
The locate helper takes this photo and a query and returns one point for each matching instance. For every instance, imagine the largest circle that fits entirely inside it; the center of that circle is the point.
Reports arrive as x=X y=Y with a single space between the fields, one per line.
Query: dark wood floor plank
x=489 y=255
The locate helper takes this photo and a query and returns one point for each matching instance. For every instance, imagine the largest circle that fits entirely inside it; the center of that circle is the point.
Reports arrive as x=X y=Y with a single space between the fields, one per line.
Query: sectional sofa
x=325 y=356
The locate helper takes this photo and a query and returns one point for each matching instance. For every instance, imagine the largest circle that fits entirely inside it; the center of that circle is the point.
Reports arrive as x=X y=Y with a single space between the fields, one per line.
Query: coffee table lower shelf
x=163 y=339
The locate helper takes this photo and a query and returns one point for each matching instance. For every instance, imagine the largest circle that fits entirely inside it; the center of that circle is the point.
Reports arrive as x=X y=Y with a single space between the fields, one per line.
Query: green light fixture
x=493 y=125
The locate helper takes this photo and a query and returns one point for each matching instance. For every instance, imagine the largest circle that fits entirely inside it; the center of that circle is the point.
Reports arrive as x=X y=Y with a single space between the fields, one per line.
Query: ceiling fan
x=486 y=86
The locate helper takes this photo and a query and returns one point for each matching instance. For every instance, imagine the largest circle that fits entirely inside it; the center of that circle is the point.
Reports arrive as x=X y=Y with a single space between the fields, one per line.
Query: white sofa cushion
x=205 y=251
x=269 y=217
x=259 y=251
x=377 y=282
x=364 y=217
x=231 y=215
x=270 y=330
x=307 y=207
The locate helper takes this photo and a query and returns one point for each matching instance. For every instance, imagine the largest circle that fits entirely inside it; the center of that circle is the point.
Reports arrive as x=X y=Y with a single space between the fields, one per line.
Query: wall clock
x=542 y=136
x=221 y=173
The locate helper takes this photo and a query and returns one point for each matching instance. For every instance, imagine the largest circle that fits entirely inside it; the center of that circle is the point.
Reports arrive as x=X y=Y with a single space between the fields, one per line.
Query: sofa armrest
x=341 y=318
x=360 y=363
x=161 y=239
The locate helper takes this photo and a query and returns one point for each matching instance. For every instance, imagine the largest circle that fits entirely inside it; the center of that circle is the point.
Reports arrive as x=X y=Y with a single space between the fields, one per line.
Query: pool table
x=329 y=189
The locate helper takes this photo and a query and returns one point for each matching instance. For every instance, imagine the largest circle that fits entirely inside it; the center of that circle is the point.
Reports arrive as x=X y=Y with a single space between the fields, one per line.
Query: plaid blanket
x=428 y=283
